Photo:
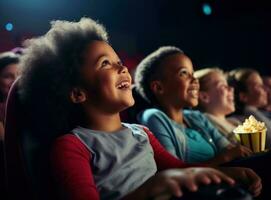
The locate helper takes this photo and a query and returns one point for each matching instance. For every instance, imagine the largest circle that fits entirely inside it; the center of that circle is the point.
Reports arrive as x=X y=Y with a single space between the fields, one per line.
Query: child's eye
x=105 y=63
x=184 y=73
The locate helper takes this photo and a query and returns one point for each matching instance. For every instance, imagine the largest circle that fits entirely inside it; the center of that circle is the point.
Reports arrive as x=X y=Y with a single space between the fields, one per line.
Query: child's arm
x=73 y=175
x=171 y=182
x=165 y=160
x=161 y=127
x=70 y=161
x=229 y=154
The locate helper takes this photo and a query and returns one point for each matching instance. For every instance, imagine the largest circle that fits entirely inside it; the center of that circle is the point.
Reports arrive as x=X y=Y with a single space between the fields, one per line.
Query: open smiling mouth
x=193 y=93
x=124 y=85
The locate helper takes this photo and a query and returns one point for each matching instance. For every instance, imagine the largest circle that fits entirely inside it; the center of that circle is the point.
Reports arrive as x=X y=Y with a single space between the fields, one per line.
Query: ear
x=78 y=95
x=156 y=87
x=243 y=97
x=204 y=97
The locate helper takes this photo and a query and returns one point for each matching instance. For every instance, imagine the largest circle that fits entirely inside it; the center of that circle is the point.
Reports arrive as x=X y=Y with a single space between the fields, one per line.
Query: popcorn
x=252 y=134
x=251 y=125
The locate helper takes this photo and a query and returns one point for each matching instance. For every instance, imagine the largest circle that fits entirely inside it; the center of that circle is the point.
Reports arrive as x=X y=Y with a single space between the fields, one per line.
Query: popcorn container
x=255 y=141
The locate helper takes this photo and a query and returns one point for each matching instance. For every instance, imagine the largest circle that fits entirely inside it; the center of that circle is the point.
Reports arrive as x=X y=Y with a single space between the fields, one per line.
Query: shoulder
x=236 y=119
x=194 y=114
x=138 y=129
x=68 y=139
x=69 y=143
x=152 y=113
x=198 y=119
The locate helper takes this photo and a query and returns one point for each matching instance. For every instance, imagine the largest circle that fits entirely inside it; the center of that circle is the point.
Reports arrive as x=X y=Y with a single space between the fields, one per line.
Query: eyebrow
x=218 y=82
x=183 y=67
x=105 y=55
x=99 y=58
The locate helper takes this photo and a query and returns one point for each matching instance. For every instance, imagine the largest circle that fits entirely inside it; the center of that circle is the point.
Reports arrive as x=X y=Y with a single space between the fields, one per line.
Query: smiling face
x=255 y=94
x=107 y=83
x=217 y=96
x=178 y=86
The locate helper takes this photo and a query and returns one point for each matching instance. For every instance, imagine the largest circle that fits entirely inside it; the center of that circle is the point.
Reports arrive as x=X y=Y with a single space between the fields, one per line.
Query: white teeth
x=193 y=92
x=124 y=84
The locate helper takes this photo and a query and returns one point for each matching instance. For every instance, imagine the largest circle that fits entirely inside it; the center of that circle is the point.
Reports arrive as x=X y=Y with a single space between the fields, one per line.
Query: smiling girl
x=166 y=79
x=73 y=87
x=216 y=100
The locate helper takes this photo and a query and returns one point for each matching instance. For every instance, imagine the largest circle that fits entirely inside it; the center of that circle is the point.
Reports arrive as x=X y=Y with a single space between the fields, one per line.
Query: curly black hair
x=149 y=69
x=50 y=69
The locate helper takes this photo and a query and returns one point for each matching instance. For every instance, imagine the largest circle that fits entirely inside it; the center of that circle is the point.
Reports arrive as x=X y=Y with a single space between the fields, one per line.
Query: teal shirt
x=199 y=148
x=201 y=142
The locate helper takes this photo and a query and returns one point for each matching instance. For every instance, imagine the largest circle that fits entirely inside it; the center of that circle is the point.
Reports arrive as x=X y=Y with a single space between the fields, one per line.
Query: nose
x=230 y=88
x=122 y=68
x=194 y=79
x=264 y=92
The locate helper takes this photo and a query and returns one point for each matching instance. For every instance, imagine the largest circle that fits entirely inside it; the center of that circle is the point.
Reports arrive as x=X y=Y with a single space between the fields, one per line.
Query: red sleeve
x=71 y=168
x=163 y=159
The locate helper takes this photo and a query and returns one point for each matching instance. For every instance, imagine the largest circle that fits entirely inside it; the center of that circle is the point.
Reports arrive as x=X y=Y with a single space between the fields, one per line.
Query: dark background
x=236 y=34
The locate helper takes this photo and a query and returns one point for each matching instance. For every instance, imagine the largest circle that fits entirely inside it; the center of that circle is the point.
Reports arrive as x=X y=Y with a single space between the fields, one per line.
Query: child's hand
x=172 y=181
x=245 y=176
x=239 y=151
x=231 y=153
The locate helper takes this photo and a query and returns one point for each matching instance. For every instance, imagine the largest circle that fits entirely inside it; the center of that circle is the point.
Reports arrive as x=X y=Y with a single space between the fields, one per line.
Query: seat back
x=2 y=171
x=26 y=158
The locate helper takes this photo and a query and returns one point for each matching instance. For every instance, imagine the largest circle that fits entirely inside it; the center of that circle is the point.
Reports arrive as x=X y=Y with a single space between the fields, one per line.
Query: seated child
x=216 y=100
x=165 y=79
x=77 y=85
x=250 y=97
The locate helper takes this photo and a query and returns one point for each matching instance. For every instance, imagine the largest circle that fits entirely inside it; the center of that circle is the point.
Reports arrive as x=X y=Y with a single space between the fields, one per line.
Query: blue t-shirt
x=201 y=142
x=199 y=148
x=126 y=156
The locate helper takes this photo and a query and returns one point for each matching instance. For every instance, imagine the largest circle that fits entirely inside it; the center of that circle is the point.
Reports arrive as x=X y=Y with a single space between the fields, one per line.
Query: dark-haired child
x=75 y=82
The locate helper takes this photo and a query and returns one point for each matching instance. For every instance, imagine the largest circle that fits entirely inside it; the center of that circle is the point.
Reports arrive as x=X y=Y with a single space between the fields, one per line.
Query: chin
x=131 y=103
x=194 y=103
x=229 y=111
x=128 y=104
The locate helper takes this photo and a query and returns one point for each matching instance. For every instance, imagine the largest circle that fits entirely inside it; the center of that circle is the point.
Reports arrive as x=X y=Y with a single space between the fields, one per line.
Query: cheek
x=216 y=95
x=104 y=88
x=257 y=95
x=181 y=91
x=225 y=95
x=259 y=92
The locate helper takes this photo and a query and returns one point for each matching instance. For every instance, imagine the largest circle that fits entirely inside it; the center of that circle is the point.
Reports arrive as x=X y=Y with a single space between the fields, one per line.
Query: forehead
x=13 y=68
x=215 y=77
x=212 y=79
x=176 y=61
x=97 y=49
x=254 y=78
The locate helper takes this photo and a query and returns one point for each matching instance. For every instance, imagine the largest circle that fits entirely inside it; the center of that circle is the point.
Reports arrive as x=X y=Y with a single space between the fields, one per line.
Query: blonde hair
x=203 y=76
